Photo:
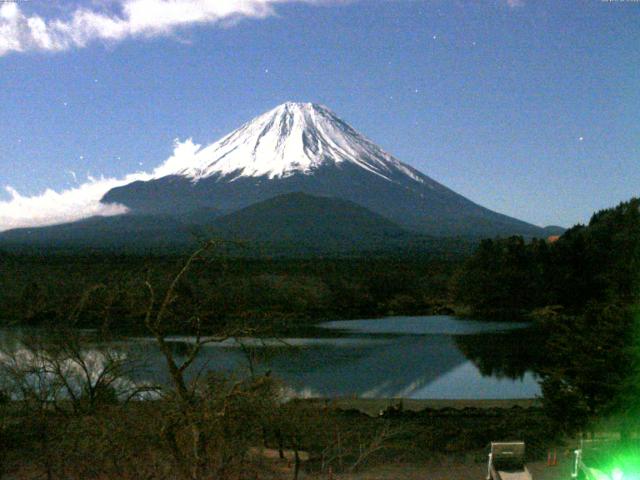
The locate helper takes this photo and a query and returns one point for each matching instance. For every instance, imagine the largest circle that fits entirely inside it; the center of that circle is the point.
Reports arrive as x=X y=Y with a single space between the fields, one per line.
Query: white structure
x=506 y=462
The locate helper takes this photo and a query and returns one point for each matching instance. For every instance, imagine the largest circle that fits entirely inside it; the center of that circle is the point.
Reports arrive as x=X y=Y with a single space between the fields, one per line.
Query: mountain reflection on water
x=402 y=357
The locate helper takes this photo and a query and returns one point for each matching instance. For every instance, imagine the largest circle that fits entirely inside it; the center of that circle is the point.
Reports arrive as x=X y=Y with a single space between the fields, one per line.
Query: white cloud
x=52 y=207
x=20 y=32
x=515 y=3
x=183 y=157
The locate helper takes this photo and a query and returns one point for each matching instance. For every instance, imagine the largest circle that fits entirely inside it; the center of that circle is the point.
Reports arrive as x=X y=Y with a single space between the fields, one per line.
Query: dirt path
x=442 y=471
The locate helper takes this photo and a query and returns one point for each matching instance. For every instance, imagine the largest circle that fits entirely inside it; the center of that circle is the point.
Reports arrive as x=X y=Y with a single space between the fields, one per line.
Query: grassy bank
x=345 y=435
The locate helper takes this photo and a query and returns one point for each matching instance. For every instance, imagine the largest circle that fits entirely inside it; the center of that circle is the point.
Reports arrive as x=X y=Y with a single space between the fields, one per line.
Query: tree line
x=594 y=263
x=37 y=290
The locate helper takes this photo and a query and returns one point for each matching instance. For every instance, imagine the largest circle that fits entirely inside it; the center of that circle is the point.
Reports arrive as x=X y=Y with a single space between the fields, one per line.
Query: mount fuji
x=297 y=174
x=305 y=147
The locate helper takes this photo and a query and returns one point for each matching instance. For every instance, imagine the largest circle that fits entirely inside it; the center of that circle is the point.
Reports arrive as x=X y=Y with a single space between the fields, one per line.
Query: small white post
x=489 y=466
x=576 y=465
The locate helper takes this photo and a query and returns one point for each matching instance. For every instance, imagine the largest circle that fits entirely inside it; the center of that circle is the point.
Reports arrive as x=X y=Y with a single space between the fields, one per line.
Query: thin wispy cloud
x=21 y=31
x=52 y=207
x=515 y=3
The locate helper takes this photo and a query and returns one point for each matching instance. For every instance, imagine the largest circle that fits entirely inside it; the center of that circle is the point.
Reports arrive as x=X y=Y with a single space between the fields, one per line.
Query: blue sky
x=528 y=107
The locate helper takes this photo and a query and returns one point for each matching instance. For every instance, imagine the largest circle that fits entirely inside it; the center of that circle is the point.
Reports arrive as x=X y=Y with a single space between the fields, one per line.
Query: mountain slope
x=298 y=217
x=120 y=233
x=292 y=138
x=306 y=148
x=290 y=223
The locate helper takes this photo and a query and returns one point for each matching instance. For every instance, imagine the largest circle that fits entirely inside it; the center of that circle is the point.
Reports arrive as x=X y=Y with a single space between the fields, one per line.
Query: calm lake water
x=434 y=357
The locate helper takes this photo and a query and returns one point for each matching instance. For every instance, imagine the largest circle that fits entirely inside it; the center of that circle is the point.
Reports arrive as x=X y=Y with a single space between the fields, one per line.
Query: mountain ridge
x=305 y=147
x=289 y=224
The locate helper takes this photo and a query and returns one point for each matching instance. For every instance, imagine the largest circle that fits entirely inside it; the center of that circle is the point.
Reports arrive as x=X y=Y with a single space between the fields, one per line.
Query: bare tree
x=206 y=412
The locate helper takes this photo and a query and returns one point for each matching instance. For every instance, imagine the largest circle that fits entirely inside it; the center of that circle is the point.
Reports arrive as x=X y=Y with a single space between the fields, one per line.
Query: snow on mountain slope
x=291 y=138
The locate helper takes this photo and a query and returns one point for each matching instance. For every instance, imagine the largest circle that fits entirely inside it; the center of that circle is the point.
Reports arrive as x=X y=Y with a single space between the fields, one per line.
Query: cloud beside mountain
x=52 y=207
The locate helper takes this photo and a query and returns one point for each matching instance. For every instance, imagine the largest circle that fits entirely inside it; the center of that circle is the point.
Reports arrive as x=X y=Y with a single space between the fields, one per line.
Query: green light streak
x=623 y=463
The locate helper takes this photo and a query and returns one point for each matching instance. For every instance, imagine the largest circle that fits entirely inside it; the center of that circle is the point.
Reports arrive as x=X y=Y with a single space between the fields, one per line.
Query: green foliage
x=600 y=262
x=42 y=290
x=591 y=359
x=503 y=277
x=595 y=263
x=583 y=291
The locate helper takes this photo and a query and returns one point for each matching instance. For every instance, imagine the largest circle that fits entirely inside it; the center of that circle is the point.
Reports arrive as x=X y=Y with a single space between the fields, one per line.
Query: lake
x=433 y=357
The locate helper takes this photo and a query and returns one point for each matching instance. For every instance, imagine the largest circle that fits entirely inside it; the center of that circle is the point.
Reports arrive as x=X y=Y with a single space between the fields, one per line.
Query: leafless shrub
x=209 y=425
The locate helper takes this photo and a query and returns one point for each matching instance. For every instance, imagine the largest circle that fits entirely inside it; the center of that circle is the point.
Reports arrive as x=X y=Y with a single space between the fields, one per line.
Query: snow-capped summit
x=291 y=138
